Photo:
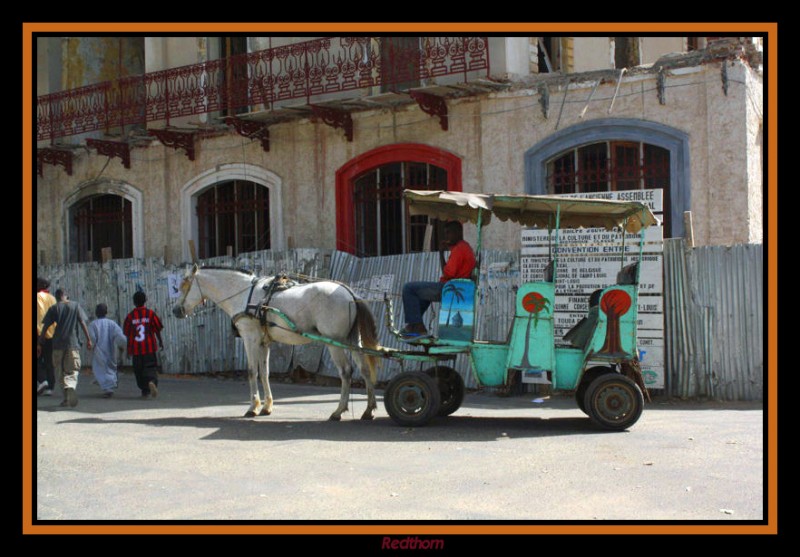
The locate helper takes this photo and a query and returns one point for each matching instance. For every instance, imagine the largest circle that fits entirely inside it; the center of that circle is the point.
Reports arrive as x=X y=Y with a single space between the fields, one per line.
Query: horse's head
x=191 y=295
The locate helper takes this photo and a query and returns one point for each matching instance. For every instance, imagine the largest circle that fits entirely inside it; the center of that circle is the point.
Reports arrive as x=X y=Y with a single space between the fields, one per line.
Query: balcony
x=327 y=78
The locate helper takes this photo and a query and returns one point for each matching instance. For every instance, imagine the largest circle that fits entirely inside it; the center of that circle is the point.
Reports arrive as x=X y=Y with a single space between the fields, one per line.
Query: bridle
x=186 y=286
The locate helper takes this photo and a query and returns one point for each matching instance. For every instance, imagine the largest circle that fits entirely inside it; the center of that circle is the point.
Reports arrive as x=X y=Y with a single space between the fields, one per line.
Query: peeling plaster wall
x=509 y=56
x=490 y=134
x=593 y=53
x=172 y=52
x=727 y=191
x=88 y=60
x=653 y=48
x=65 y=63
x=48 y=65
x=755 y=155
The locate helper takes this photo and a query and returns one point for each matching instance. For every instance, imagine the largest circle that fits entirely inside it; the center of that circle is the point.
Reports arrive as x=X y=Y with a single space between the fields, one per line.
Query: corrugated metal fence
x=714 y=321
x=713 y=310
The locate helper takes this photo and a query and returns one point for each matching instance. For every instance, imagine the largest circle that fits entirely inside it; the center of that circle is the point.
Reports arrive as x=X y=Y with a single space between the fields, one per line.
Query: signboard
x=589 y=259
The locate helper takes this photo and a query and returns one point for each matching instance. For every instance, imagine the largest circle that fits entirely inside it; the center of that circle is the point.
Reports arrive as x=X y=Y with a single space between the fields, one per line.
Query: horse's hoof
x=366 y=416
x=335 y=418
x=265 y=412
x=249 y=414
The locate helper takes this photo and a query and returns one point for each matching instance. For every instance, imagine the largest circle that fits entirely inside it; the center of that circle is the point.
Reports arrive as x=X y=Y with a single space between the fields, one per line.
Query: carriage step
x=421 y=339
x=535 y=376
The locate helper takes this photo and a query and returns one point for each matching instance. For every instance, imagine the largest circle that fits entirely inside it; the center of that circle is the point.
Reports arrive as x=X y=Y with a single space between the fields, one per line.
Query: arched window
x=370 y=212
x=101 y=222
x=233 y=217
x=382 y=225
x=611 y=166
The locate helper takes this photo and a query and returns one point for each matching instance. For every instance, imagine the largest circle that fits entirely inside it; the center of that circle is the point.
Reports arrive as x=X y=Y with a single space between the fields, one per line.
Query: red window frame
x=403 y=152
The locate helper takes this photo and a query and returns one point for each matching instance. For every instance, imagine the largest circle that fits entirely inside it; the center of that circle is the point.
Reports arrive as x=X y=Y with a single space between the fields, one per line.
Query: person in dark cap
x=108 y=339
x=143 y=327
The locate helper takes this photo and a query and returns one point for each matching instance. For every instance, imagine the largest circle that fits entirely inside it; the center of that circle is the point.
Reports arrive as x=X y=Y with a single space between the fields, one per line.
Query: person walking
x=67 y=316
x=142 y=328
x=45 y=374
x=108 y=338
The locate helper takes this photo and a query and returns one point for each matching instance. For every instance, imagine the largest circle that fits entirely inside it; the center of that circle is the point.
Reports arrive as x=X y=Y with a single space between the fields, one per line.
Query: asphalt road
x=191 y=455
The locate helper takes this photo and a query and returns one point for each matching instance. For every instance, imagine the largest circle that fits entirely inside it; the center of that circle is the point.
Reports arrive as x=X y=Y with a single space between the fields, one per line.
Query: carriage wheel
x=451 y=388
x=614 y=402
x=589 y=375
x=412 y=399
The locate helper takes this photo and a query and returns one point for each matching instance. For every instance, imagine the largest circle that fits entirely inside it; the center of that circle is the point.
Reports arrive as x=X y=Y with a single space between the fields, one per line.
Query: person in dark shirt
x=142 y=328
x=67 y=316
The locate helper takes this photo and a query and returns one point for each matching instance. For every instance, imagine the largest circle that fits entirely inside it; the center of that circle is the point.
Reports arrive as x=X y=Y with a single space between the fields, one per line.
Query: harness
x=258 y=309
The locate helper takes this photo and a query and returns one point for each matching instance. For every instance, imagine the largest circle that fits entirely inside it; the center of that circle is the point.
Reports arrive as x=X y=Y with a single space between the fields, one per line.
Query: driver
x=417 y=296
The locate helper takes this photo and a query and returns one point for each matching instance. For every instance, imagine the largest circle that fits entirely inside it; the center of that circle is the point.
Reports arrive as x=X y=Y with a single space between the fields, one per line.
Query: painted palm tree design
x=533 y=303
x=614 y=304
x=457 y=294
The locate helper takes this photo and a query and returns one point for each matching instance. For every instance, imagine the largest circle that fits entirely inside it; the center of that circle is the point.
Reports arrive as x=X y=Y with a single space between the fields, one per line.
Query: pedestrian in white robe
x=108 y=340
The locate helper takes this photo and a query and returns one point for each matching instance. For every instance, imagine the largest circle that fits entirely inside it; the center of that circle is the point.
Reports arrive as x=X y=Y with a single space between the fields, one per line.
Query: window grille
x=611 y=166
x=383 y=226
x=233 y=216
x=102 y=221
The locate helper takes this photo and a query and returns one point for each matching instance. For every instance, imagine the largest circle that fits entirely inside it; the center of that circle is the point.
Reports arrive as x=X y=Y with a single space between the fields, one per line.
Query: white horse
x=325 y=308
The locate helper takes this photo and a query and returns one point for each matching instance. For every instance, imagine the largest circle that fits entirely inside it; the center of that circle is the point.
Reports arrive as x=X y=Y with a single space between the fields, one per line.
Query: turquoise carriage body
x=600 y=347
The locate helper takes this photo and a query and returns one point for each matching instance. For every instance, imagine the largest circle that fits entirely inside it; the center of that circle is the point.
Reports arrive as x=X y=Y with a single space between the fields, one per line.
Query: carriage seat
x=628 y=274
x=549 y=271
x=581 y=333
x=456 y=312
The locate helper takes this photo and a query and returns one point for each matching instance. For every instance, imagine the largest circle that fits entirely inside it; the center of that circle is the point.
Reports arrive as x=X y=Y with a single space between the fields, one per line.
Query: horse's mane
x=224 y=268
x=250 y=273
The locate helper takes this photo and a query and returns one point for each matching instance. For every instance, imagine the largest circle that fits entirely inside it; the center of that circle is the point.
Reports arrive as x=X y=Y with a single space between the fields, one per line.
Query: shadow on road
x=453 y=428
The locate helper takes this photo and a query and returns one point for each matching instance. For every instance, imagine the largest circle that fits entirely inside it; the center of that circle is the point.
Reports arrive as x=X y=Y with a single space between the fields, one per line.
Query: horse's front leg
x=266 y=410
x=345 y=373
x=251 y=348
x=255 y=401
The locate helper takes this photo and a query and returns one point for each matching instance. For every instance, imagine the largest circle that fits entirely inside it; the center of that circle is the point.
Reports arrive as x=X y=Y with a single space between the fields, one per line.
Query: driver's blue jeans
x=417 y=297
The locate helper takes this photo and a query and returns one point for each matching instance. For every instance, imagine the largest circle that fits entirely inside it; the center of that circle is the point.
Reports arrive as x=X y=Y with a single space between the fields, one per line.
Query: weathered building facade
x=148 y=145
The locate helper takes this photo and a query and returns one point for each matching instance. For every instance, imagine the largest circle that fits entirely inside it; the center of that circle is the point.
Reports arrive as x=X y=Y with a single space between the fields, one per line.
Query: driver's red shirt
x=460 y=264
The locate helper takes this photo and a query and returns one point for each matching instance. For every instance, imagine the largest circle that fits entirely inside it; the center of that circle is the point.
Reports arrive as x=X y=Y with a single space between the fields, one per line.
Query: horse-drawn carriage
x=598 y=359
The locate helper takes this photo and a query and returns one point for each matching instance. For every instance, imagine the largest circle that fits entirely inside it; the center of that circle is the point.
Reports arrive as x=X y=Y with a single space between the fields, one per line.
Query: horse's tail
x=365 y=322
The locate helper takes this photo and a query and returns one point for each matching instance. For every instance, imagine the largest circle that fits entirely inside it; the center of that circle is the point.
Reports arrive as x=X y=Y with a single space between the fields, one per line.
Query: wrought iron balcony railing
x=259 y=80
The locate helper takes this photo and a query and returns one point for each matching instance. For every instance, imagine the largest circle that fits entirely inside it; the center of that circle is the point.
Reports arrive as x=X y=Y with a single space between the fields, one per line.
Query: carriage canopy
x=531 y=210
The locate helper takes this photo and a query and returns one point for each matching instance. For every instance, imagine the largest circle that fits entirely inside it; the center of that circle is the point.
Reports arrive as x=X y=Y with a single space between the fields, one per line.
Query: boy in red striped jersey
x=143 y=328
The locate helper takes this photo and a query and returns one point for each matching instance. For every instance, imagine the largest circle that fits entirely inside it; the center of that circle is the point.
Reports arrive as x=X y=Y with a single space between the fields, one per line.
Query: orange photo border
x=768 y=30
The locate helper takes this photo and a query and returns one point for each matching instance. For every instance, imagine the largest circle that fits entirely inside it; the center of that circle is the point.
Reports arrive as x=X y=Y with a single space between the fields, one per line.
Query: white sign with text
x=589 y=259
